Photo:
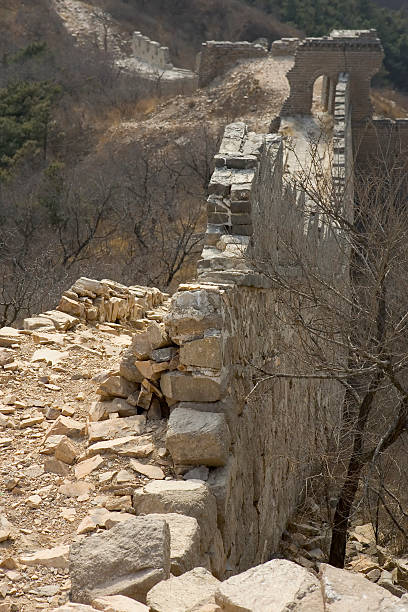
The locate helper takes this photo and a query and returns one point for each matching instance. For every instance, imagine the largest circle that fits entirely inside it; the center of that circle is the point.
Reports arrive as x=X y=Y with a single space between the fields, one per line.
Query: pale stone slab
x=9 y=336
x=84 y=468
x=51 y=557
x=129 y=560
x=116 y=386
x=118 y=603
x=74 y=607
x=278 y=585
x=347 y=592
x=65 y=426
x=151 y=471
x=192 y=498
x=184 y=593
x=32 y=323
x=116 y=428
x=185 y=551
x=61 y=320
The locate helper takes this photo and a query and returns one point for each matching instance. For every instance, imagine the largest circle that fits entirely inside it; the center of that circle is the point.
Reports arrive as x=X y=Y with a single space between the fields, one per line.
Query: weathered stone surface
x=86 y=467
x=152 y=337
x=32 y=323
x=74 y=607
x=71 y=307
x=347 y=592
x=205 y=352
x=116 y=428
x=184 y=593
x=192 y=313
x=118 y=603
x=61 y=320
x=9 y=336
x=54 y=466
x=180 y=387
x=116 y=386
x=191 y=498
x=198 y=438
x=128 y=446
x=100 y=411
x=184 y=542
x=278 y=585
x=164 y=354
x=52 y=557
x=66 y=451
x=151 y=471
x=129 y=560
x=65 y=426
x=128 y=369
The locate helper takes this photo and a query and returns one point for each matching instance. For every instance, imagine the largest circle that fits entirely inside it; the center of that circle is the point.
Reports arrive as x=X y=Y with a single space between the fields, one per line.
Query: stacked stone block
x=108 y=301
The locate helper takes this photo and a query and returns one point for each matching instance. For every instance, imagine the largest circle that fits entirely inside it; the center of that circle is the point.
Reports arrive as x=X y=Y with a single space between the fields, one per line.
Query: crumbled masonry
x=197 y=468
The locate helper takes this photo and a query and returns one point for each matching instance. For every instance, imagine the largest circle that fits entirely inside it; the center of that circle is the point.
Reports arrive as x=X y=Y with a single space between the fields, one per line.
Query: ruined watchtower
x=357 y=53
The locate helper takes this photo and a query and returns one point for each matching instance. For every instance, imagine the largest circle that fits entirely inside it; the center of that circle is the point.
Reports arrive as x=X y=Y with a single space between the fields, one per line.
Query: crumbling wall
x=216 y=57
x=285 y=46
x=151 y=51
x=253 y=442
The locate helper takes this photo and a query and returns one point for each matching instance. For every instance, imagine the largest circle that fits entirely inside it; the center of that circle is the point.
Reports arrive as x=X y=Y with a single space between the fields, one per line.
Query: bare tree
x=348 y=307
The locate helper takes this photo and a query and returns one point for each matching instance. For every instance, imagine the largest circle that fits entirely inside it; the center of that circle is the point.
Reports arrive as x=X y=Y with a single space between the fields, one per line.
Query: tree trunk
x=342 y=514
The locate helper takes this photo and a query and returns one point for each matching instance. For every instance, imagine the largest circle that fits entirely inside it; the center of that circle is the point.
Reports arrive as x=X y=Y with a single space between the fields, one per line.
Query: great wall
x=201 y=531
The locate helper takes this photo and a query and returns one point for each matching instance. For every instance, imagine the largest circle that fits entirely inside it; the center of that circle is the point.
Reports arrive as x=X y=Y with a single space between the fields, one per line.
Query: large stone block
x=192 y=498
x=129 y=560
x=181 y=387
x=185 y=593
x=152 y=337
x=128 y=369
x=198 y=438
x=205 y=352
x=116 y=386
x=278 y=586
x=184 y=542
x=193 y=312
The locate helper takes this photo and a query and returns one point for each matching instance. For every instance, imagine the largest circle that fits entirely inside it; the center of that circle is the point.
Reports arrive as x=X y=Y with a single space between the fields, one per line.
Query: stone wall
x=253 y=444
x=379 y=138
x=357 y=53
x=285 y=46
x=216 y=58
x=151 y=51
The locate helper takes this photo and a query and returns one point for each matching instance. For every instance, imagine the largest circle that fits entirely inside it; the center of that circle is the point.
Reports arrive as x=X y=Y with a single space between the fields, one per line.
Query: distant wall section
x=151 y=51
x=216 y=58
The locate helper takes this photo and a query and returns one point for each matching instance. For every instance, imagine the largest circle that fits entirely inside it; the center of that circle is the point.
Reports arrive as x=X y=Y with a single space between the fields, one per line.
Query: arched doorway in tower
x=324 y=89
